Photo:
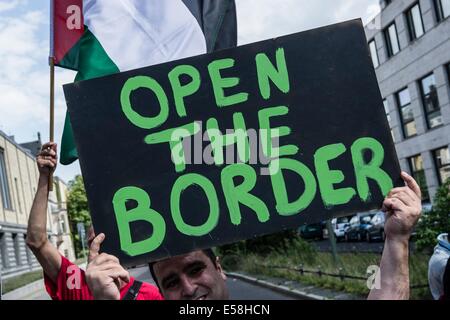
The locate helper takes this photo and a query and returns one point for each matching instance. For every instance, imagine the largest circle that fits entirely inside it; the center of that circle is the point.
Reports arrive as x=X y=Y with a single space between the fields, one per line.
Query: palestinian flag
x=101 y=37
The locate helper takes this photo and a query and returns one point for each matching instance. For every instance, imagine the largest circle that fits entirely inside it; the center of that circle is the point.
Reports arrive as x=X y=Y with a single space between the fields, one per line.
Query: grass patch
x=26 y=278
x=354 y=264
x=21 y=280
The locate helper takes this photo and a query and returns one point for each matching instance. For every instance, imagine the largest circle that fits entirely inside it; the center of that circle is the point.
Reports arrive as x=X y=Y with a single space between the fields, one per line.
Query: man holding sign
x=199 y=276
x=236 y=144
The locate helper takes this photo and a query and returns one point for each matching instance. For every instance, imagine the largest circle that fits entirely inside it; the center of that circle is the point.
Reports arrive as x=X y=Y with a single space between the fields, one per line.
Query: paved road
x=239 y=290
x=37 y=295
x=242 y=290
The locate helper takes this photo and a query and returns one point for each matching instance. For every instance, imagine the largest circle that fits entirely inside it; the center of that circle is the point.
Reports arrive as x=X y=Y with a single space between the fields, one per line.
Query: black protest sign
x=227 y=146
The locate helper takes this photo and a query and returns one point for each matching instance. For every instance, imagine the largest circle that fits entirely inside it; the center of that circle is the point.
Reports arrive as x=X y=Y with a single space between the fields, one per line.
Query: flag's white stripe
x=138 y=33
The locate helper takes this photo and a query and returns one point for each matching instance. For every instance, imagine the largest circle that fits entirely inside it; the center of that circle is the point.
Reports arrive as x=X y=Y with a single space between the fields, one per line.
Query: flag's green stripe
x=93 y=62
x=70 y=60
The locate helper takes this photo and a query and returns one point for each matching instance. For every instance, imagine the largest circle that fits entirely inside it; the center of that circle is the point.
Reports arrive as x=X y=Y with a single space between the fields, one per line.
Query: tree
x=78 y=210
x=436 y=221
x=263 y=245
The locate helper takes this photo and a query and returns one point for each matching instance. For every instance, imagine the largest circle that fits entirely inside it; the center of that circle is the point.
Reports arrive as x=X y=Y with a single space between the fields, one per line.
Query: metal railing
x=339 y=275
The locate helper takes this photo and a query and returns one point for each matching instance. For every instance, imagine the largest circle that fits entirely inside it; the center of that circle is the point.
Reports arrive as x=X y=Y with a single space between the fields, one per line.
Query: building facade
x=60 y=219
x=409 y=42
x=18 y=184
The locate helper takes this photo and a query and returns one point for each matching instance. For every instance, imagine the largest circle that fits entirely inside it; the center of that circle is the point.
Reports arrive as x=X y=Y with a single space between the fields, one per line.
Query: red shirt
x=71 y=285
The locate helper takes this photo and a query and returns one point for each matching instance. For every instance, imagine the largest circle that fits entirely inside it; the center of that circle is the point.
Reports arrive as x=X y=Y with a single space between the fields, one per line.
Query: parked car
x=312 y=231
x=339 y=225
x=426 y=207
x=358 y=226
x=375 y=231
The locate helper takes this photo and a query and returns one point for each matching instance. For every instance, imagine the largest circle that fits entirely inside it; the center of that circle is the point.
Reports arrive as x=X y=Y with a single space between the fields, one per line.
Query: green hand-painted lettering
x=220 y=83
x=219 y=140
x=267 y=133
x=181 y=184
x=135 y=118
x=235 y=195
x=142 y=212
x=327 y=177
x=181 y=91
x=283 y=206
x=266 y=70
x=175 y=136
x=372 y=170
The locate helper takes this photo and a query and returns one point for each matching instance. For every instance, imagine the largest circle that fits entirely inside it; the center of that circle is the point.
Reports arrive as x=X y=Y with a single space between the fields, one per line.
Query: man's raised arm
x=47 y=255
x=402 y=207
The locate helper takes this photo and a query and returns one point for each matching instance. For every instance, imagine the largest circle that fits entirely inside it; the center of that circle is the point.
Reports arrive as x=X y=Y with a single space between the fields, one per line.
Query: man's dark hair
x=208 y=252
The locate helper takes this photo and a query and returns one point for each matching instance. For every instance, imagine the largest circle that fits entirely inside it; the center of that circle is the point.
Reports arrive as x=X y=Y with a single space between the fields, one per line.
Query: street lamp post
x=82 y=234
x=332 y=242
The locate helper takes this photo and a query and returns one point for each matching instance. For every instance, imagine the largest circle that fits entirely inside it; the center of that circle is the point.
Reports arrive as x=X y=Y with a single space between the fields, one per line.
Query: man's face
x=191 y=277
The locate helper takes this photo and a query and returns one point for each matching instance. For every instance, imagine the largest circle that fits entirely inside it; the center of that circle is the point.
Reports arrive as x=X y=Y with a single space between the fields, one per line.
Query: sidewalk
x=32 y=291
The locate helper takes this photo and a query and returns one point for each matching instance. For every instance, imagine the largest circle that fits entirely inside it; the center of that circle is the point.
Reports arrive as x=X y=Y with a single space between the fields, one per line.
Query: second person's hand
x=104 y=274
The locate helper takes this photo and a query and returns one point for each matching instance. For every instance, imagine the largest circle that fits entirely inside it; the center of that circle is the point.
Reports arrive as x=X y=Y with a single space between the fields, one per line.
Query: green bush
x=263 y=245
x=302 y=250
x=436 y=221
x=78 y=211
x=230 y=262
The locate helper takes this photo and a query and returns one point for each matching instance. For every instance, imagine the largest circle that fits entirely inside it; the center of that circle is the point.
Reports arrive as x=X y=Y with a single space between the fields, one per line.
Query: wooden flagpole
x=52 y=112
x=51 y=61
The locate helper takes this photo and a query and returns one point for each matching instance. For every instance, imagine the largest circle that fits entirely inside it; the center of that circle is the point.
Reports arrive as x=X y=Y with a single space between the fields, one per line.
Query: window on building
x=406 y=113
x=3 y=253
x=388 y=116
x=448 y=72
x=374 y=53
x=4 y=187
x=415 y=23
x=442 y=162
x=418 y=173
x=16 y=243
x=430 y=101
x=386 y=3
x=390 y=35
x=63 y=225
x=442 y=9
x=19 y=202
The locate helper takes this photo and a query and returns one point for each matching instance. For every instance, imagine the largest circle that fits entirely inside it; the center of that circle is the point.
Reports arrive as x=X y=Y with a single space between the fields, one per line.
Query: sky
x=24 y=50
